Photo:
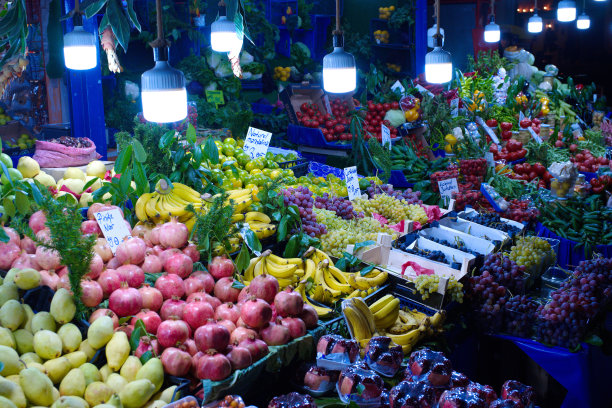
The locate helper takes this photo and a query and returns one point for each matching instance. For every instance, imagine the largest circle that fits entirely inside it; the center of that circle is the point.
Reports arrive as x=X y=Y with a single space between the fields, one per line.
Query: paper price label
x=535 y=136
x=352 y=182
x=454 y=105
x=215 y=97
x=399 y=87
x=424 y=90
x=448 y=187
x=487 y=129
x=328 y=107
x=113 y=227
x=489 y=158
x=386 y=135
x=256 y=142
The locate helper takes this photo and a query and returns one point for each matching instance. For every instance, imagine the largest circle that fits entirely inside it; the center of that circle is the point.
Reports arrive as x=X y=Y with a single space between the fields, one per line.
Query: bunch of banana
x=386 y=311
x=411 y=333
x=360 y=320
x=258 y=222
x=241 y=199
x=322 y=311
x=288 y=271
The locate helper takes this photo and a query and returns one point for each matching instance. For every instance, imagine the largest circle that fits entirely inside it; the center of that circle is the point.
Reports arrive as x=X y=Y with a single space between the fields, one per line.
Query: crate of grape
x=496 y=237
x=536 y=254
x=520 y=316
x=435 y=251
x=458 y=240
x=492 y=220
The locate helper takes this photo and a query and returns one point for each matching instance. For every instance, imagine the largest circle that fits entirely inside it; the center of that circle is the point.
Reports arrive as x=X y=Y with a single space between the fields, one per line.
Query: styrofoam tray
x=516 y=224
x=476 y=230
x=452 y=254
x=472 y=243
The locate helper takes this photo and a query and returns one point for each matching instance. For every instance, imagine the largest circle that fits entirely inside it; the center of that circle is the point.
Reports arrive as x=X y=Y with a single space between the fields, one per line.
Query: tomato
x=506 y=126
x=379 y=107
x=537 y=122
x=532 y=175
x=329 y=137
x=525 y=123
x=315 y=123
x=491 y=123
x=305 y=106
x=394 y=105
x=338 y=129
x=386 y=106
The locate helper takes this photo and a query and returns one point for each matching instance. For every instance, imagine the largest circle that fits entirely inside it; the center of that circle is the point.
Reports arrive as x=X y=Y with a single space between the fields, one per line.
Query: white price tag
x=399 y=87
x=448 y=187
x=386 y=135
x=113 y=227
x=327 y=104
x=352 y=182
x=487 y=129
x=422 y=90
x=489 y=158
x=535 y=136
x=454 y=105
x=256 y=142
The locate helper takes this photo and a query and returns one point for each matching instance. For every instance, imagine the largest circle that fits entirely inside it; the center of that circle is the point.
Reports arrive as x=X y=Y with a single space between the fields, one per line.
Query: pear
x=43 y=321
x=37 y=387
x=76 y=358
x=10 y=275
x=6 y=403
x=87 y=349
x=39 y=367
x=27 y=323
x=31 y=358
x=70 y=402
x=105 y=371
x=167 y=394
x=57 y=369
x=152 y=370
x=12 y=391
x=100 y=332
x=114 y=402
x=27 y=278
x=74 y=383
x=130 y=368
x=47 y=344
x=55 y=393
x=62 y=306
x=117 y=350
x=10 y=359
x=13 y=378
x=7 y=338
x=8 y=291
x=12 y=314
x=90 y=372
x=71 y=337
x=116 y=382
x=97 y=393
x=136 y=393
x=24 y=340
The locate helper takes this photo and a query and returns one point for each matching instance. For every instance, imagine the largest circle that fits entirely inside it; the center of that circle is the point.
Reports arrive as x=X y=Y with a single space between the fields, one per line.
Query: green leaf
x=363 y=244
x=90 y=183
x=197 y=157
x=236 y=284
x=123 y=160
x=142 y=185
x=243 y=259
x=341 y=264
x=101 y=191
x=146 y=356
x=36 y=192
x=294 y=212
x=276 y=216
x=191 y=134
x=94 y=8
x=6 y=172
x=366 y=270
x=9 y=207
x=282 y=228
x=139 y=152
x=3 y=238
x=166 y=140
x=103 y=23
x=292 y=247
x=272 y=194
x=22 y=203
x=211 y=151
x=135 y=338
x=119 y=23
x=132 y=14
x=594 y=340
x=125 y=181
x=249 y=237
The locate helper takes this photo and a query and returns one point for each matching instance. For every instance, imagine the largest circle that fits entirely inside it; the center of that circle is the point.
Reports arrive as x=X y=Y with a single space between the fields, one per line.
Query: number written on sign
x=113 y=227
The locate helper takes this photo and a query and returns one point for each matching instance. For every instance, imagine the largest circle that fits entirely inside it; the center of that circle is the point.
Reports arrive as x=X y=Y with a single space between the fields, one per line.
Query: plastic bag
x=49 y=154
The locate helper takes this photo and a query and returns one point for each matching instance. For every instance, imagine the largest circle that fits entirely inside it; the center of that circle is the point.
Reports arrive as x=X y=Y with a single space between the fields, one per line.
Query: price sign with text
x=489 y=158
x=399 y=87
x=352 y=182
x=256 y=142
x=448 y=187
x=215 y=97
x=386 y=135
x=113 y=227
x=328 y=107
x=454 y=105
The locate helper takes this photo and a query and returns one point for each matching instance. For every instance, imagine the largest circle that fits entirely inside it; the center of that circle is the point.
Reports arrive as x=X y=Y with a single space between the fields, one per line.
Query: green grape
x=530 y=251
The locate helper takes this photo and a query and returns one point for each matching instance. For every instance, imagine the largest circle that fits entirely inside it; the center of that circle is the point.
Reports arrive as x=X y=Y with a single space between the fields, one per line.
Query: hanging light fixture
x=430 y=35
x=164 y=97
x=339 y=70
x=223 y=35
x=566 y=10
x=492 y=34
x=438 y=63
x=80 y=52
x=534 y=24
x=583 y=22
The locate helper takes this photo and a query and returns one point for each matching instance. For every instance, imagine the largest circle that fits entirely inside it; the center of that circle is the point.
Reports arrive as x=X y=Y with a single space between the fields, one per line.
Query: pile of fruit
x=385 y=12
x=381 y=36
x=282 y=73
x=532 y=253
x=393 y=209
x=376 y=116
x=333 y=125
x=586 y=162
x=512 y=151
x=530 y=172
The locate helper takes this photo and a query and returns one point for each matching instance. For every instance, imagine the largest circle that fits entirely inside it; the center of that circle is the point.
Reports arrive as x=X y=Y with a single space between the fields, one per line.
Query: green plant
x=174 y=25
x=486 y=62
x=272 y=203
x=440 y=120
x=402 y=17
x=148 y=134
x=13 y=30
x=213 y=227
x=119 y=110
x=260 y=27
x=120 y=20
x=304 y=8
x=358 y=44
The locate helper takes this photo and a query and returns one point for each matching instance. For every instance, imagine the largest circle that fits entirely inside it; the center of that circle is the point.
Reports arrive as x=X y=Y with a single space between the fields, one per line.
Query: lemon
x=45 y=179
x=275 y=174
x=230 y=141
x=28 y=167
x=229 y=150
x=450 y=139
x=256 y=171
x=6 y=159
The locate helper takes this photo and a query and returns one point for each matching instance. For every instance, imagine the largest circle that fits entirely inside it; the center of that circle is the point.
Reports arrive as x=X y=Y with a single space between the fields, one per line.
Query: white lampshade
x=164 y=97
x=430 y=36
x=583 y=22
x=438 y=64
x=80 y=49
x=492 y=33
x=600 y=1
x=534 y=25
x=566 y=10
x=223 y=36
x=339 y=70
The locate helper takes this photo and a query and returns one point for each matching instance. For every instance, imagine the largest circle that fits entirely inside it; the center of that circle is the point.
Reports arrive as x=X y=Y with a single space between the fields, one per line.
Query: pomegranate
x=152 y=298
x=192 y=252
x=62 y=271
x=275 y=334
x=221 y=267
x=228 y=311
x=151 y=264
x=244 y=295
x=179 y=264
x=264 y=287
x=209 y=281
x=126 y=328
x=147 y=344
x=49 y=278
x=172 y=307
x=167 y=253
x=92 y=293
x=154 y=235
x=64 y=282
x=239 y=357
x=113 y=263
x=125 y=301
x=9 y=252
x=13 y=236
x=190 y=347
x=296 y=326
x=224 y=290
x=309 y=316
x=211 y=336
x=213 y=366
x=228 y=324
x=101 y=248
x=131 y=251
x=37 y=221
x=241 y=323
x=142 y=231
x=257 y=348
x=173 y=234
x=94 y=208
x=256 y=313
x=44 y=235
x=288 y=303
x=46 y=258
x=172 y=332
x=104 y=312
x=95 y=267
x=242 y=333
x=193 y=285
x=170 y=285
x=133 y=275
x=110 y=281
x=91 y=227
x=176 y=361
x=196 y=314
x=194 y=362
x=27 y=245
x=25 y=261
x=150 y=319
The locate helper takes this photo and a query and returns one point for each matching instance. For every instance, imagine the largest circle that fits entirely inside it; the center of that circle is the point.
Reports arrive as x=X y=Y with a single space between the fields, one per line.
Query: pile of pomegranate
x=197 y=321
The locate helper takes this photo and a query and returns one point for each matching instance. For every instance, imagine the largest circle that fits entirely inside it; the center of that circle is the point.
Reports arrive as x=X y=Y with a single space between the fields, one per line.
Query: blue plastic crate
x=398 y=180
x=315 y=38
x=313 y=137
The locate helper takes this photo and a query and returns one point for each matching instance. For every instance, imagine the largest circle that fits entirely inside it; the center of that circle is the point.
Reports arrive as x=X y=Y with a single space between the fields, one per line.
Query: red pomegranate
x=150 y=319
x=296 y=326
x=239 y=357
x=125 y=301
x=190 y=347
x=170 y=285
x=193 y=285
x=228 y=324
x=172 y=307
x=264 y=287
x=255 y=313
x=152 y=298
x=172 y=332
x=224 y=290
x=104 y=312
x=110 y=281
x=221 y=267
x=133 y=275
x=209 y=281
x=213 y=366
x=241 y=333
x=151 y=264
x=275 y=334
x=179 y=264
x=92 y=293
x=147 y=344
x=257 y=348
x=192 y=252
x=288 y=303
x=211 y=336
x=309 y=316
x=228 y=311
x=176 y=361
x=196 y=314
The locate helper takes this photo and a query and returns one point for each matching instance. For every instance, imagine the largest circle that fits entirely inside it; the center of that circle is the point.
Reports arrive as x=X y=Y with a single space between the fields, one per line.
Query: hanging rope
x=437 y=7
x=338 y=30
x=160 y=41
x=492 y=9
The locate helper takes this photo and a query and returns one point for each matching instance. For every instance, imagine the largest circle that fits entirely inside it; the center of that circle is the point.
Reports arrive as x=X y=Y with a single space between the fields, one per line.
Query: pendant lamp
x=583 y=22
x=339 y=70
x=80 y=52
x=566 y=10
x=223 y=34
x=438 y=63
x=492 y=34
x=534 y=25
x=164 y=96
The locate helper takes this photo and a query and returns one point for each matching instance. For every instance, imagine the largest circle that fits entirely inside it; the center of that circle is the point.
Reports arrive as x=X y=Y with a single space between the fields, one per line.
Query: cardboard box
x=475 y=230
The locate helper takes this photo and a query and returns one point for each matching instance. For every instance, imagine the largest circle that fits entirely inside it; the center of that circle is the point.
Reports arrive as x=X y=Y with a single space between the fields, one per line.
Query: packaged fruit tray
x=496 y=237
x=455 y=259
x=471 y=243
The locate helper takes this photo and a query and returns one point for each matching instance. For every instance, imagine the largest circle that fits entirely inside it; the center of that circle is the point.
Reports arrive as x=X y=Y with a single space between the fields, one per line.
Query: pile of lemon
x=385 y=12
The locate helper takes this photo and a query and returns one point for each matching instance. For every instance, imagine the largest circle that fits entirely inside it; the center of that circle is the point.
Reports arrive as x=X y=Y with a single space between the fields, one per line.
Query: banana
x=310 y=270
x=361 y=329
x=388 y=321
x=190 y=223
x=238 y=194
x=390 y=307
x=257 y=216
x=322 y=311
x=280 y=271
x=240 y=206
x=380 y=303
x=333 y=283
x=140 y=210
x=321 y=256
x=365 y=283
x=284 y=261
x=409 y=338
x=407 y=319
x=186 y=193
x=173 y=207
x=365 y=312
x=237 y=218
x=340 y=276
x=151 y=211
x=259 y=268
x=437 y=319
x=399 y=328
x=320 y=282
x=353 y=294
x=249 y=271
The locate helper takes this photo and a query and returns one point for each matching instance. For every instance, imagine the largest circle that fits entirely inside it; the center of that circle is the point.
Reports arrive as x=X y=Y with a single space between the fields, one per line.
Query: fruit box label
x=256 y=142
x=386 y=135
x=448 y=187
x=113 y=227
x=352 y=182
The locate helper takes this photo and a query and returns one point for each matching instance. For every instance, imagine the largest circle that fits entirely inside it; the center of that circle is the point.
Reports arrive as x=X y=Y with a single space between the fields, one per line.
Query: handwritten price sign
x=385 y=132
x=256 y=142
x=113 y=227
x=448 y=187
x=352 y=182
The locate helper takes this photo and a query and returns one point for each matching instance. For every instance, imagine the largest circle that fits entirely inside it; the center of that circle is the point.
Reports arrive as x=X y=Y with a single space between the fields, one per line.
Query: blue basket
x=588 y=176
x=398 y=180
x=301 y=135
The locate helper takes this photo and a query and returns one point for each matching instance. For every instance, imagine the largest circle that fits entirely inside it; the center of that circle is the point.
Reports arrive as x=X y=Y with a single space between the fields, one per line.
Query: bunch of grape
x=493 y=220
x=437 y=256
x=341 y=206
x=393 y=209
x=407 y=195
x=520 y=315
x=302 y=198
x=459 y=245
x=489 y=298
x=428 y=284
x=505 y=271
x=531 y=251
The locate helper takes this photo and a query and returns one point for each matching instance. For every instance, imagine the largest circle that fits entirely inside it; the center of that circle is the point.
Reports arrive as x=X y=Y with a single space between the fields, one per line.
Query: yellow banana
x=389 y=308
x=235 y=194
x=340 y=276
x=365 y=283
x=173 y=207
x=333 y=283
x=186 y=193
x=361 y=330
x=280 y=271
x=150 y=209
x=257 y=216
x=259 y=268
x=388 y=320
x=237 y=218
x=249 y=271
x=437 y=319
x=380 y=303
x=355 y=293
x=320 y=282
x=365 y=312
x=310 y=270
x=190 y=223
x=409 y=338
x=284 y=261
x=139 y=208
x=241 y=206
x=323 y=256
x=322 y=311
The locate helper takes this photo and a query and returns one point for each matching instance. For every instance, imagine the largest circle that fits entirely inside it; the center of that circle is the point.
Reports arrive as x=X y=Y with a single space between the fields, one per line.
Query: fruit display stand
x=469 y=211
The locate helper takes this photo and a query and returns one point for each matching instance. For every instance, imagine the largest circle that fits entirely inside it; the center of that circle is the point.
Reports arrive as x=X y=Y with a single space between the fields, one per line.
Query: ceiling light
x=80 y=51
x=534 y=25
x=492 y=34
x=339 y=70
x=583 y=22
x=223 y=35
x=438 y=63
x=566 y=10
